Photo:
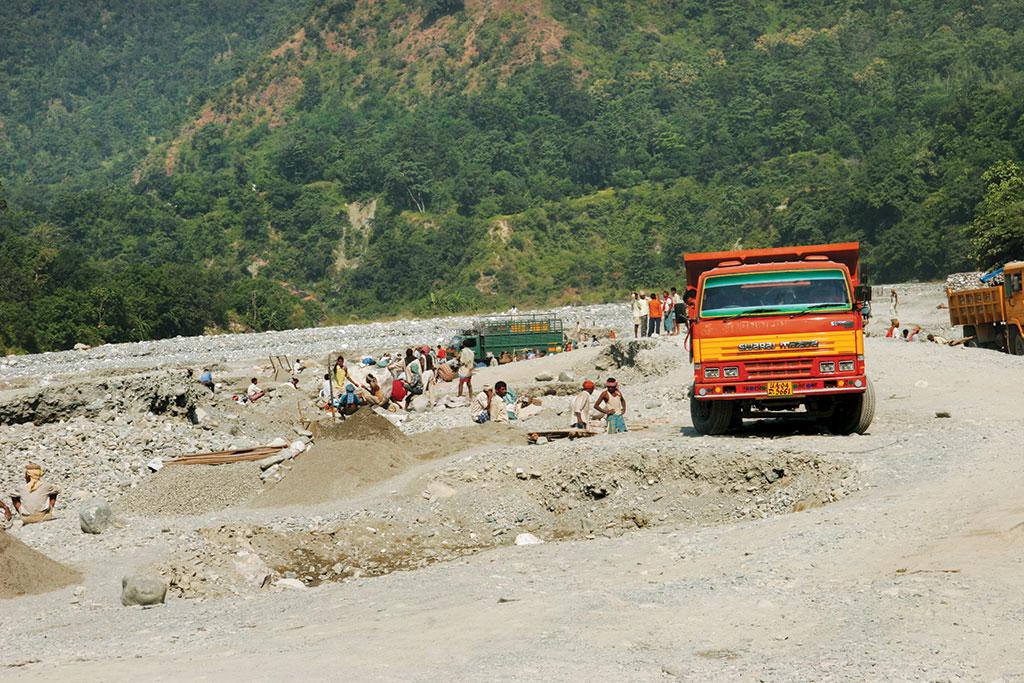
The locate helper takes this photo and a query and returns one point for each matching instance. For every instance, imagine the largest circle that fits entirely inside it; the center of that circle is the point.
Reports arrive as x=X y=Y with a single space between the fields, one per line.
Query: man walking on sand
x=466 y=360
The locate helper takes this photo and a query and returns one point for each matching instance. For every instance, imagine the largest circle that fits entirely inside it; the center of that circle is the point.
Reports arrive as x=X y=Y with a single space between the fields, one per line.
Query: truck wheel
x=1015 y=342
x=970 y=331
x=711 y=417
x=853 y=413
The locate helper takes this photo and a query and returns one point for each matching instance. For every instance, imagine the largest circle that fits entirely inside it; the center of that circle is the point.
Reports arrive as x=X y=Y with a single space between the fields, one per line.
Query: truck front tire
x=853 y=413
x=711 y=417
x=1014 y=341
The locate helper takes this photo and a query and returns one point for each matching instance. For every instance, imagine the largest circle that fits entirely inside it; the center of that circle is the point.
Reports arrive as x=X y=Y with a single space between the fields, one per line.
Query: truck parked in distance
x=992 y=317
x=512 y=334
x=777 y=331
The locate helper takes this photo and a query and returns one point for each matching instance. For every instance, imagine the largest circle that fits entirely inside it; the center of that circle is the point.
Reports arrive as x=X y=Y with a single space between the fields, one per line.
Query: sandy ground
x=909 y=563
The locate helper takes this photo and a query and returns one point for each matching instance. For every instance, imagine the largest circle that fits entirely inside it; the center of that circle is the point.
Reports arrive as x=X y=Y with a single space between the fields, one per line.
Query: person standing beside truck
x=466 y=360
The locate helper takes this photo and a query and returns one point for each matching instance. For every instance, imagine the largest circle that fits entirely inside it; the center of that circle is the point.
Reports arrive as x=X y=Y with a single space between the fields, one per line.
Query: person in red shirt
x=893 y=326
x=441 y=353
x=654 y=311
x=398 y=391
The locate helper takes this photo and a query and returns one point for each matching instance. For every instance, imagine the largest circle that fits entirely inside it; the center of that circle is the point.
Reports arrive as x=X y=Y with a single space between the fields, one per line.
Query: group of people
x=654 y=314
x=911 y=334
x=393 y=381
x=34 y=500
x=498 y=403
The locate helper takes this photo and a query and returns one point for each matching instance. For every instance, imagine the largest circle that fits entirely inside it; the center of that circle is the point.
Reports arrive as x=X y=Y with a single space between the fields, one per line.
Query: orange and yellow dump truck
x=779 y=332
x=992 y=317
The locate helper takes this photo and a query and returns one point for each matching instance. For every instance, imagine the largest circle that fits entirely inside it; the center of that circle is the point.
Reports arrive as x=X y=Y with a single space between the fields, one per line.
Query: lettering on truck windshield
x=775 y=293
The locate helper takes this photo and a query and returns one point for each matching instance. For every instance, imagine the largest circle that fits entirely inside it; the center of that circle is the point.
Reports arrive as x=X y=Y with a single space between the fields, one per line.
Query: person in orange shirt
x=654 y=311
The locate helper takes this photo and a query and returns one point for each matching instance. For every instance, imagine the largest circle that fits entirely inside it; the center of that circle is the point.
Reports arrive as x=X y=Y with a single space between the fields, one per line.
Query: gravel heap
x=87 y=457
x=302 y=343
x=961 y=281
x=178 y=490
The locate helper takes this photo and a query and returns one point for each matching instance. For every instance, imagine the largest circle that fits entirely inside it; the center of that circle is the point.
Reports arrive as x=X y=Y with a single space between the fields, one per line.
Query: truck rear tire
x=853 y=413
x=1014 y=341
x=711 y=417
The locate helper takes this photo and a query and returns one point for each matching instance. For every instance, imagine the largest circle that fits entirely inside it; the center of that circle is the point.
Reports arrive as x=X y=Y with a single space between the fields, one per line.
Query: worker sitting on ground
x=348 y=402
x=893 y=326
x=372 y=394
x=325 y=390
x=298 y=367
x=612 y=403
x=505 y=407
x=481 y=405
x=35 y=499
x=206 y=379
x=936 y=339
x=581 y=405
x=254 y=393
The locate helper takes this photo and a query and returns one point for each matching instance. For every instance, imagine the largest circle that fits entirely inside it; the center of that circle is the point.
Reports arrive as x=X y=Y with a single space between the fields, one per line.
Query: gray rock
x=95 y=516
x=566 y=376
x=544 y=377
x=143 y=589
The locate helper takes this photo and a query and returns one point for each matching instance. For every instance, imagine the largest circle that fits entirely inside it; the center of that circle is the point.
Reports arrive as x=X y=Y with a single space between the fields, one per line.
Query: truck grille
x=782 y=368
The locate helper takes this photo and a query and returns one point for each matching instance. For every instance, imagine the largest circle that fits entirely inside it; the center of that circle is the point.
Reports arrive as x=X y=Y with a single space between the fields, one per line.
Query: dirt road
x=906 y=560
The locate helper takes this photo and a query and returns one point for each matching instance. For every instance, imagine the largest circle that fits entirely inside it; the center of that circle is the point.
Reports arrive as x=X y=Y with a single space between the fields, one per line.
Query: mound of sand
x=178 y=490
x=335 y=469
x=365 y=425
x=24 y=571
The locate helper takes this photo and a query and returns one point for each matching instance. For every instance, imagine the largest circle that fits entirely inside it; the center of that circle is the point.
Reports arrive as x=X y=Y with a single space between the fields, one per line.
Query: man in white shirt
x=466 y=360
x=481 y=405
x=581 y=405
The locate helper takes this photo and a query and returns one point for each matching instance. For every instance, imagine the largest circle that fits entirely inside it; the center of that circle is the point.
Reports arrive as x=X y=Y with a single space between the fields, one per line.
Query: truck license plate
x=780 y=388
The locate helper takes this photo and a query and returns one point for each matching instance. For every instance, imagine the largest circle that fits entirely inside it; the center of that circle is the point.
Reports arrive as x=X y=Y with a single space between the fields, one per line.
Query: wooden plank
x=226 y=457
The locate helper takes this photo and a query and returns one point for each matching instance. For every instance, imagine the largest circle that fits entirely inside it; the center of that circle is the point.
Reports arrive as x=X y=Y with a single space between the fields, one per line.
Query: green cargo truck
x=514 y=334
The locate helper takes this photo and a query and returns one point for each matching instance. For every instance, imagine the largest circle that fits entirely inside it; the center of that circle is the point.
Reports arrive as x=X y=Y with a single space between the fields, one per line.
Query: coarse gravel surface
x=778 y=552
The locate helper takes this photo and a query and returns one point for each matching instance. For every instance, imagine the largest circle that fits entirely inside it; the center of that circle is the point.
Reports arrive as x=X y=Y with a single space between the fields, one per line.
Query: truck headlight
x=732 y=372
x=846 y=366
x=827 y=366
x=712 y=373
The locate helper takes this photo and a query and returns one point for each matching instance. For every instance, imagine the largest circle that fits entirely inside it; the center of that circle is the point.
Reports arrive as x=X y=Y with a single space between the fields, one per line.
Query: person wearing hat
x=581 y=405
x=35 y=499
x=612 y=403
x=481 y=405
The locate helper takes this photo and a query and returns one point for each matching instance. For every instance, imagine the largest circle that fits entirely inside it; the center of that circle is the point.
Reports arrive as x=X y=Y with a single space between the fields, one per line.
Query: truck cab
x=778 y=331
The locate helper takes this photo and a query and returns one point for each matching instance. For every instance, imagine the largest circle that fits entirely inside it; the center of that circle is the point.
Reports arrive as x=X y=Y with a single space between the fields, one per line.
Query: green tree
x=997 y=231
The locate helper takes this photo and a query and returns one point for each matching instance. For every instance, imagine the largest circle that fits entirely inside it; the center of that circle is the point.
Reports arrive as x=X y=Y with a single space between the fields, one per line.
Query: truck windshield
x=775 y=293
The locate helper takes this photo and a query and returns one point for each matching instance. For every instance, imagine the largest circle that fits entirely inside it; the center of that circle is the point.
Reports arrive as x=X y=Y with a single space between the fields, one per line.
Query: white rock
x=527 y=539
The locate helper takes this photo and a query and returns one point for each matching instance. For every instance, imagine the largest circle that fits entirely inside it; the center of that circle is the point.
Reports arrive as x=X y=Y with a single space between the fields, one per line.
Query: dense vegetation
x=432 y=156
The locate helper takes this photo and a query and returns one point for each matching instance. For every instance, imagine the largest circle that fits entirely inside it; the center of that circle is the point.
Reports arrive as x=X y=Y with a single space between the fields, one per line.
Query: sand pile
x=178 y=490
x=336 y=469
x=24 y=571
x=365 y=425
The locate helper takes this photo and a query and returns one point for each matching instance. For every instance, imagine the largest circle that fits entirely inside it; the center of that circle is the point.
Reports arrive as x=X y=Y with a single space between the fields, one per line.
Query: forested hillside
x=390 y=157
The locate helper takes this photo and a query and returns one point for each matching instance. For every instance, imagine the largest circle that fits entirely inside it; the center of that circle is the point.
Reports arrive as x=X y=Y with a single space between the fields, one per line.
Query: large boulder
x=143 y=589
x=95 y=516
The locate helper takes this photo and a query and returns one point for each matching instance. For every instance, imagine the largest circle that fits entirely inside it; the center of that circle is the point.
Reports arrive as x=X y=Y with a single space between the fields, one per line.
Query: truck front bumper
x=813 y=386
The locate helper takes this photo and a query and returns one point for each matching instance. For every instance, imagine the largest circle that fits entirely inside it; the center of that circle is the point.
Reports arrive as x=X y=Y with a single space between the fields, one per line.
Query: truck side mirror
x=862 y=292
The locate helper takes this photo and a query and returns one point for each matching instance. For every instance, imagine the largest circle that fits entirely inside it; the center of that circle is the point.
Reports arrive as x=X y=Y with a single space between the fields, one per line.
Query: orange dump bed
x=976 y=306
x=846 y=253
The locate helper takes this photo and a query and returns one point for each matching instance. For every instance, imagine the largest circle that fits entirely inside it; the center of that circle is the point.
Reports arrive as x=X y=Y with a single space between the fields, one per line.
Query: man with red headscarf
x=581 y=405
